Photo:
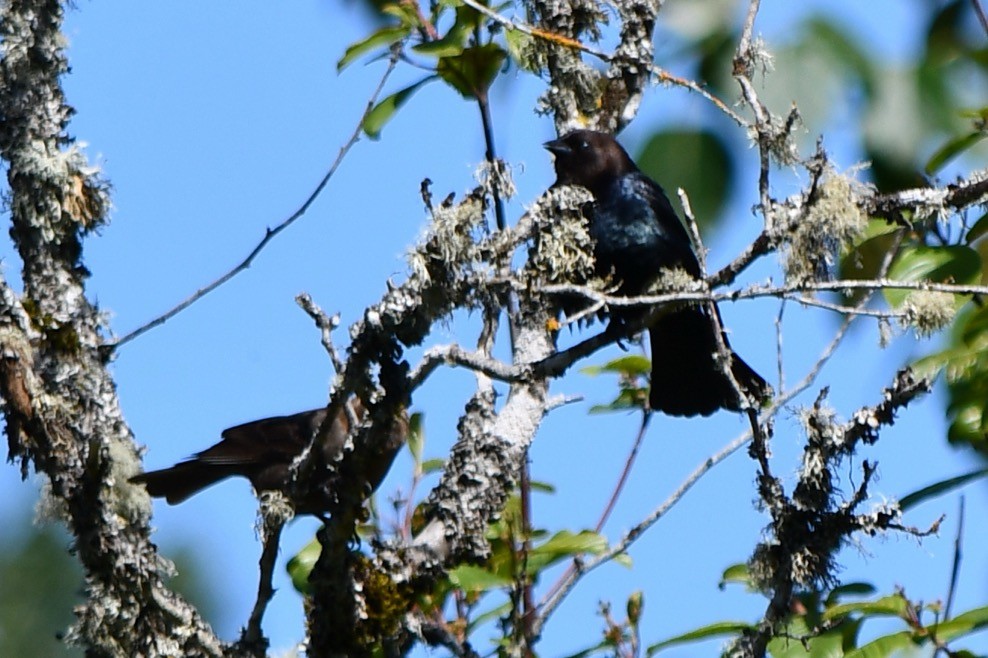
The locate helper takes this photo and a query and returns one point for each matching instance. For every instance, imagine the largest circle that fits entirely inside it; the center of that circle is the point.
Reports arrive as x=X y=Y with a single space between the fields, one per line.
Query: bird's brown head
x=589 y=158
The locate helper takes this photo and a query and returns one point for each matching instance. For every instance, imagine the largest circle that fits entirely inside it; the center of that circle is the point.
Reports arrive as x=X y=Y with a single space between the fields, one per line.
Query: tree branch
x=271 y=233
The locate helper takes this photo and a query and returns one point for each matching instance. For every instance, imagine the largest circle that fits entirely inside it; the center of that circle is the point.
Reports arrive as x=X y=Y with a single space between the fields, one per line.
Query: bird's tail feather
x=177 y=483
x=686 y=379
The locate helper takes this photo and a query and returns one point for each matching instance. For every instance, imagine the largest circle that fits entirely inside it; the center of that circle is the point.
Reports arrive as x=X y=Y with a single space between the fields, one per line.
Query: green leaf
x=929 y=366
x=416 y=437
x=604 y=646
x=403 y=11
x=300 y=566
x=865 y=259
x=884 y=647
x=850 y=589
x=887 y=606
x=843 y=49
x=736 y=573
x=562 y=545
x=484 y=617
x=472 y=71
x=542 y=487
x=455 y=40
x=566 y=543
x=448 y=46
x=719 y=629
x=433 y=465
x=955 y=263
x=631 y=365
x=383 y=111
x=952 y=149
x=471 y=578
x=965 y=363
x=828 y=644
x=980 y=113
x=382 y=37
x=520 y=49
x=699 y=162
x=634 y=605
x=630 y=397
x=940 y=488
x=979 y=228
x=961 y=625
x=624 y=560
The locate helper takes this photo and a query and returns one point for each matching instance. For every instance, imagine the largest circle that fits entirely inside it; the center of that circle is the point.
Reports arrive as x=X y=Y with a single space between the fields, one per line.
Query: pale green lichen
x=563 y=248
x=496 y=177
x=831 y=221
x=927 y=312
x=450 y=237
x=675 y=279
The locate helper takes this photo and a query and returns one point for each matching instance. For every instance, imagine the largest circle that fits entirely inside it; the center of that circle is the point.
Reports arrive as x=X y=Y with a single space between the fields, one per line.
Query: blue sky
x=215 y=122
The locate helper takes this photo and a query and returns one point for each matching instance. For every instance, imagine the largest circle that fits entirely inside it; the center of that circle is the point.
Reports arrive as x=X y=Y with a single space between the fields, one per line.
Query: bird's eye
x=583 y=145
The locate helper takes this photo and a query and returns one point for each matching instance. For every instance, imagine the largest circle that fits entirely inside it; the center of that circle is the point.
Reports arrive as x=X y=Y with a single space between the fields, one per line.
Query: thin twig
x=725 y=355
x=763 y=244
x=743 y=61
x=686 y=83
x=550 y=603
x=535 y=32
x=426 y=28
x=846 y=310
x=325 y=324
x=271 y=233
x=955 y=569
x=618 y=488
x=253 y=638
x=629 y=462
x=980 y=11
x=566 y=42
x=504 y=267
x=778 y=345
x=768 y=290
x=555 y=598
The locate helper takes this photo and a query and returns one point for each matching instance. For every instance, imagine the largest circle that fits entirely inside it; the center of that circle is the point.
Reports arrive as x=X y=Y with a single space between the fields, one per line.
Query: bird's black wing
x=637 y=233
x=675 y=246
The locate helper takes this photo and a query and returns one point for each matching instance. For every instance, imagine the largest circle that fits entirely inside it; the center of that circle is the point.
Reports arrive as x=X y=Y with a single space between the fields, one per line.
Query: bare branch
x=980 y=11
x=454 y=355
x=759 y=291
x=61 y=404
x=271 y=233
x=955 y=566
x=325 y=324
x=275 y=511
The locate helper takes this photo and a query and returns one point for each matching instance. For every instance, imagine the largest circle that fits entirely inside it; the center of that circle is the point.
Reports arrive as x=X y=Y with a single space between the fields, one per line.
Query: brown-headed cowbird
x=263 y=451
x=636 y=233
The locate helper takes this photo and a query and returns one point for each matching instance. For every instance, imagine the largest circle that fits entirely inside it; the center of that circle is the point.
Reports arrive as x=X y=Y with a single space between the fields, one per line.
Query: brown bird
x=637 y=233
x=263 y=451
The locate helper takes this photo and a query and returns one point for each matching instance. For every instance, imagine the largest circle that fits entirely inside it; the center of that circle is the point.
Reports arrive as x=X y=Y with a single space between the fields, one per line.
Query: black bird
x=263 y=451
x=636 y=233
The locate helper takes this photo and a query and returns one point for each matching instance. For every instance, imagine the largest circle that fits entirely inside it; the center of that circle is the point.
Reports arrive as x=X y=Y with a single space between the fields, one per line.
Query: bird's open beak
x=557 y=147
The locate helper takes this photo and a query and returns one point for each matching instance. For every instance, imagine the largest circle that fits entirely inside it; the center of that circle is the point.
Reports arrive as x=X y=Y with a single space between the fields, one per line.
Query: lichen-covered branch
x=62 y=412
x=808 y=528
x=578 y=95
x=453 y=267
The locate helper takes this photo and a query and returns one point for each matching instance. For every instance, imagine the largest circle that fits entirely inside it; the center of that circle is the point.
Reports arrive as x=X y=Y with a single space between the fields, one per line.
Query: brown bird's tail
x=263 y=451
x=686 y=379
x=177 y=483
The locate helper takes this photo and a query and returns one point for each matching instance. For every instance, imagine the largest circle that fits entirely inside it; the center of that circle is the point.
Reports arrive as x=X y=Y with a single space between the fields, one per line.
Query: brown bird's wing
x=261 y=450
x=279 y=438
